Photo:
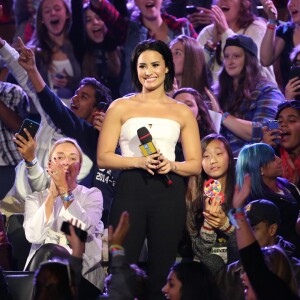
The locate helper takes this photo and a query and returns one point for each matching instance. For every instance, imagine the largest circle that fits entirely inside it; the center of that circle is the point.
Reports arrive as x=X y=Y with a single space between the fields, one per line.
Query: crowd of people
x=170 y=129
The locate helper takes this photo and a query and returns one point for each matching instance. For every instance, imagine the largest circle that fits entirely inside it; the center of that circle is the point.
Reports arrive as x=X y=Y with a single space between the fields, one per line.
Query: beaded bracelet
x=67 y=197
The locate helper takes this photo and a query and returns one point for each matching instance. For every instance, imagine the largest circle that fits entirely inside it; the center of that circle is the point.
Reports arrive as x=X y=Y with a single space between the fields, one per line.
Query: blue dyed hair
x=250 y=160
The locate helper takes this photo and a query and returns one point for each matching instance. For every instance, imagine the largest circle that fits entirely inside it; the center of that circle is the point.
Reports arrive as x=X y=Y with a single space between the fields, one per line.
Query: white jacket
x=86 y=208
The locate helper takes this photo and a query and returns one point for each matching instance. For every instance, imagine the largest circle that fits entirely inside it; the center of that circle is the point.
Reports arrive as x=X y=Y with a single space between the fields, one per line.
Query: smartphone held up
x=31 y=126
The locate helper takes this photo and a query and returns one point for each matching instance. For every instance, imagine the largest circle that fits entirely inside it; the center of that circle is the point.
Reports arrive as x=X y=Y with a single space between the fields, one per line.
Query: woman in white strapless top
x=157 y=210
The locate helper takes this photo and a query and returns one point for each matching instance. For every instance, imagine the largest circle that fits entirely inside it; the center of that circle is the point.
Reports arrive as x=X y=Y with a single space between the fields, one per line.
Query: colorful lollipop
x=212 y=189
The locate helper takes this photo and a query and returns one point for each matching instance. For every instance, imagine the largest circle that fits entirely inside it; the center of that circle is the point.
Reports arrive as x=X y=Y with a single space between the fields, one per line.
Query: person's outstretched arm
x=271 y=46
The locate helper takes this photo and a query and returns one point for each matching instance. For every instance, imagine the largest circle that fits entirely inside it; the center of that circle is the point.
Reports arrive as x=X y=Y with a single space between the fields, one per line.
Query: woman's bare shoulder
x=122 y=102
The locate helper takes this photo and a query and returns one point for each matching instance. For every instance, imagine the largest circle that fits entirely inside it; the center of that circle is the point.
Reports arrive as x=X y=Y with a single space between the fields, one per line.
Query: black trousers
x=157 y=212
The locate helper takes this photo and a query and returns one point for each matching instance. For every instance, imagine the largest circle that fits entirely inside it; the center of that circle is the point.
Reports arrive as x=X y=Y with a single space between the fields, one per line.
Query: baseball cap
x=262 y=210
x=287 y=103
x=242 y=41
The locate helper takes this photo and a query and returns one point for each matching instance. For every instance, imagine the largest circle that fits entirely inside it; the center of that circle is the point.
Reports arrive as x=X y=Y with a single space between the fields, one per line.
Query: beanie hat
x=242 y=41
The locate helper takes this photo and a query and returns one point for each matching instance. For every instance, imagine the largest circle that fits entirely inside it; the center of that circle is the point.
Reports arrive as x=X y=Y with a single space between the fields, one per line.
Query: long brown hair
x=41 y=39
x=230 y=99
x=205 y=123
x=194 y=73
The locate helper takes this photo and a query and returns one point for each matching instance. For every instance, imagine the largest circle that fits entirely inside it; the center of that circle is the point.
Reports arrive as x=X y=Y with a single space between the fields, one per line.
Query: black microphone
x=148 y=148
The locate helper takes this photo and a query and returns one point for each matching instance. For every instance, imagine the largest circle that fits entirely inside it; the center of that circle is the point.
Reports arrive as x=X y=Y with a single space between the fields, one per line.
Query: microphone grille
x=144 y=135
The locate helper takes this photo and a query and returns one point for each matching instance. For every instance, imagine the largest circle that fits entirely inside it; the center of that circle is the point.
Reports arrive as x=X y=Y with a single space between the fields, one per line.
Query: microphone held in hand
x=147 y=147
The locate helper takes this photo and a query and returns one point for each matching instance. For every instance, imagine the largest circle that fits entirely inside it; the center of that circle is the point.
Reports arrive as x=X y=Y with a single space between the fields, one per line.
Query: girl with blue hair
x=265 y=168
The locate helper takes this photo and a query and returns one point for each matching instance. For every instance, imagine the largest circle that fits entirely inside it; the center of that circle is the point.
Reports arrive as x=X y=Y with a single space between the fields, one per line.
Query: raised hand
x=213 y=213
x=213 y=99
x=117 y=236
x=53 y=190
x=240 y=195
x=202 y=17
x=58 y=176
x=219 y=19
x=98 y=118
x=269 y=136
x=26 y=58
x=270 y=9
x=292 y=88
x=26 y=147
x=78 y=247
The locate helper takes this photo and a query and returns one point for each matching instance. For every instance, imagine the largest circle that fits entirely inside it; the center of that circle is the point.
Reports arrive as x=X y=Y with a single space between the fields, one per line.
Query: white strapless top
x=165 y=134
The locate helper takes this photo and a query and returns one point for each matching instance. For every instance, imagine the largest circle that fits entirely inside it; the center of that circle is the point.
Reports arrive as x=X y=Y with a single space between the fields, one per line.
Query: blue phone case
x=274 y=125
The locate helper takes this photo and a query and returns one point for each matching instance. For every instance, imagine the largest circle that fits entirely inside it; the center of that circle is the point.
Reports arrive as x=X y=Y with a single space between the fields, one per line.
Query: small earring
x=262 y=173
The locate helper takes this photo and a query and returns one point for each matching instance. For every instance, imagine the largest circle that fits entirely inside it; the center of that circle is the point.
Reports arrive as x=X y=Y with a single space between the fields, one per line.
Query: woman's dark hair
x=106 y=51
x=141 y=289
x=194 y=195
x=54 y=280
x=41 y=39
x=197 y=281
x=205 y=123
x=163 y=49
x=230 y=99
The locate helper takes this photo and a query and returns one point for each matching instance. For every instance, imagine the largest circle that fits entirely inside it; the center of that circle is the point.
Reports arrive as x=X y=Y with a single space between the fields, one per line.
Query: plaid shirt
x=16 y=99
x=265 y=99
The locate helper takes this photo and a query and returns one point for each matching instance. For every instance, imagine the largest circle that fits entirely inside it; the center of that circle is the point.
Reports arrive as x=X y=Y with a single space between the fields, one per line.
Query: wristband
x=273 y=22
x=116 y=247
x=239 y=210
x=235 y=214
x=224 y=117
x=67 y=197
x=271 y=27
x=117 y=252
x=30 y=164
